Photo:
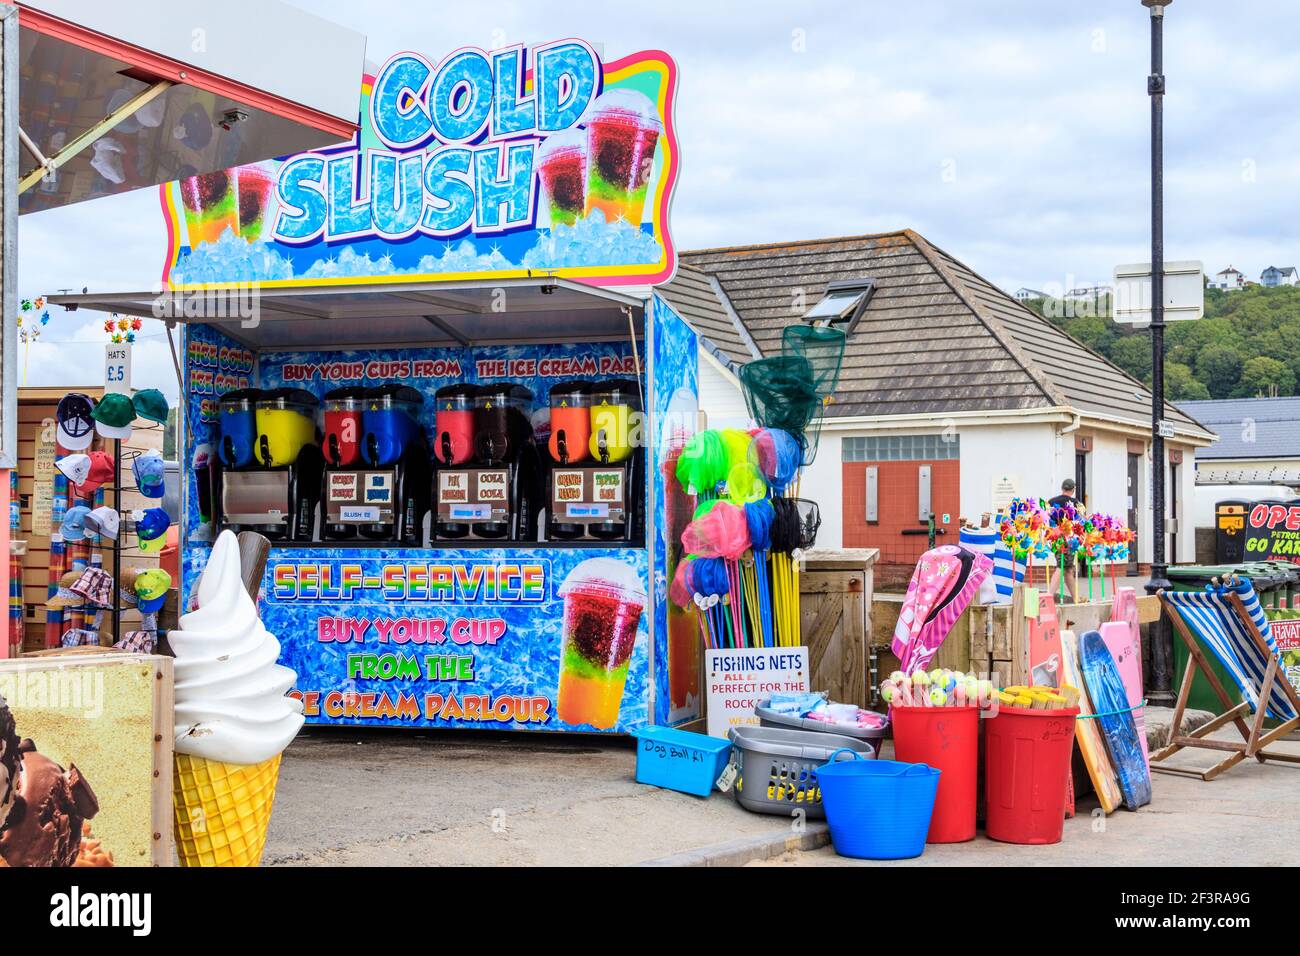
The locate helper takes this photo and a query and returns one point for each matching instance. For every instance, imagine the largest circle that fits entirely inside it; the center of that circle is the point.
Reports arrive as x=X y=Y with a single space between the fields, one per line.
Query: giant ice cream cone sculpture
x=233 y=719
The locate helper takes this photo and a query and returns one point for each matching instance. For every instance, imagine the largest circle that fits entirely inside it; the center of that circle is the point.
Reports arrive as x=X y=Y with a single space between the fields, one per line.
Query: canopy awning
x=361 y=315
x=119 y=96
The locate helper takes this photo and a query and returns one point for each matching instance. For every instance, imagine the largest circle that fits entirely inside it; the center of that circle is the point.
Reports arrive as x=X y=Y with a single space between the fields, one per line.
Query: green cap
x=150 y=404
x=114 y=415
x=152 y=583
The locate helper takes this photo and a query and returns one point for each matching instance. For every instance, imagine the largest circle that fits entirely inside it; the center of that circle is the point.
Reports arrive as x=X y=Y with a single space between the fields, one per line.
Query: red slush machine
x=486 y=466
x=377 y=465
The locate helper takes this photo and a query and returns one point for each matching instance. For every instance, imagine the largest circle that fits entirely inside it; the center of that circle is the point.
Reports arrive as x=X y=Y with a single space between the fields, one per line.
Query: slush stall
x=430 y=366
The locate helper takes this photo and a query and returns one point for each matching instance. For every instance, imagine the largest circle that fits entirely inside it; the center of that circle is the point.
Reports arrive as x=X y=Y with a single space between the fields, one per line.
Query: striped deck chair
x=1227 y=618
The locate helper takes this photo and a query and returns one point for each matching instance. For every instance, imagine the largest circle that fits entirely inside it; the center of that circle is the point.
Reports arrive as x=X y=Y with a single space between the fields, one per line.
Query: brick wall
x=897 y=499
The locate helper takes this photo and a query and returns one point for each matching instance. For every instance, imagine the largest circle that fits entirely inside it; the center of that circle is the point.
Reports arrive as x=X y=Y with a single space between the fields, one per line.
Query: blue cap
x=149 y=474
x=74 y=523
x=152 y=605
x=152 y=523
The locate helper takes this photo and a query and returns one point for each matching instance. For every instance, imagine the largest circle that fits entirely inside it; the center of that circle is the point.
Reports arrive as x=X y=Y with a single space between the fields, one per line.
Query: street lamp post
x=1161 y=691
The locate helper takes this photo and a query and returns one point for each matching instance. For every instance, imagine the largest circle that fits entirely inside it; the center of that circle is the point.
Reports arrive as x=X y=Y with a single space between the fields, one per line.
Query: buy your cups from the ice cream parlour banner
x=501 y=162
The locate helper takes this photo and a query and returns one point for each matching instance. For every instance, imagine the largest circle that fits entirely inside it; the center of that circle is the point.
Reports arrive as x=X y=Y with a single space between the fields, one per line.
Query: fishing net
x=777 y=454
x=784 y=531
x=679 y=591
x=708 y=576
x=745 y=483
x=759 y=515
x=810 y=519
x=780 y=392
x=822 y=347
x=736 y=441
x=722 y=532
x=703 y=463
x=795 y=524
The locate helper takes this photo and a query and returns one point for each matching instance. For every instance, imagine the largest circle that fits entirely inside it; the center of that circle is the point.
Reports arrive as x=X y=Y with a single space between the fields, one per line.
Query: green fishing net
x=822 y=347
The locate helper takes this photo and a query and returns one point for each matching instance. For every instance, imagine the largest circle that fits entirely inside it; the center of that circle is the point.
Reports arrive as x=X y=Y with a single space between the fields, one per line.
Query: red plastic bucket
x=946 y=738
x=1027 y=760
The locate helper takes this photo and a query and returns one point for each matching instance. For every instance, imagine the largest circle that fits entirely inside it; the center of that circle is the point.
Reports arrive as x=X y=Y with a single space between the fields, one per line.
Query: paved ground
x=1232 y=820
x=402 y=798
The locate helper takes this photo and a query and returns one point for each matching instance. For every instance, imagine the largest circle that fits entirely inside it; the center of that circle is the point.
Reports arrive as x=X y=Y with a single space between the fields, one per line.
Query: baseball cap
x=76 y=427
x=103 y=521
x=149 y=403
x=151 y=529
x=113 y=416
x=149 y=473
x=151 y=587
x=76 y=468
x=1067 y=485
x=74 y=523
x=99 y=470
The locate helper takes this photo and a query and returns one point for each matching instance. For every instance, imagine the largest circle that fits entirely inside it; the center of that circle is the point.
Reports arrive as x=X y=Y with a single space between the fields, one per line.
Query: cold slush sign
x=506 y=163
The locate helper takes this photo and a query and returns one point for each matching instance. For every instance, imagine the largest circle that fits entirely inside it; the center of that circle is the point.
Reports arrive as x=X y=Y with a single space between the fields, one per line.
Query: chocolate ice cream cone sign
x=43 y=808
x=233 y=718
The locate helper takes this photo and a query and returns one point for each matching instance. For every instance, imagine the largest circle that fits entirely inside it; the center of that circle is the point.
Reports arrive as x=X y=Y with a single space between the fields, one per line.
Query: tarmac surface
x=384 y=798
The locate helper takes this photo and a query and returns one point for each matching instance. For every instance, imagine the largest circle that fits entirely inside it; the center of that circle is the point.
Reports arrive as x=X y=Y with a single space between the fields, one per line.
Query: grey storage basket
x=770 y=718
x=778 y=767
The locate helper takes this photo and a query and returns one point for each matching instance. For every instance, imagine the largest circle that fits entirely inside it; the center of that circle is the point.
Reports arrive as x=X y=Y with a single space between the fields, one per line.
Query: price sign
x=117 y=367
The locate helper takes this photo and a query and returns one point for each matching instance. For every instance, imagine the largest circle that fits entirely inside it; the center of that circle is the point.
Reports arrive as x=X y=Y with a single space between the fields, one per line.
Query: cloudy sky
x=1012 y=134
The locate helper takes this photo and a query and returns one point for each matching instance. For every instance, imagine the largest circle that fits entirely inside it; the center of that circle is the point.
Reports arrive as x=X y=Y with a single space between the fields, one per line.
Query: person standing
x=1066 y=497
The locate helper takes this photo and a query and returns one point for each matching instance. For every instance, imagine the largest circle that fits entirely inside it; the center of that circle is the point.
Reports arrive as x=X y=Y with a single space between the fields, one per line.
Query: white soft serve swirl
x=230 y=692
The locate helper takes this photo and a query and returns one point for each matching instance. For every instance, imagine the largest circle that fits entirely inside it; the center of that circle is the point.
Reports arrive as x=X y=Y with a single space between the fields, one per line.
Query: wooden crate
x=835 y=601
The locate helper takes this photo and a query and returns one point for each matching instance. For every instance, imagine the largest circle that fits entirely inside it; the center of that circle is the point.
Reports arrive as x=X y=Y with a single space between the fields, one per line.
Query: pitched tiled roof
x=694 y=296
x=935 y=337
x=1249 y=428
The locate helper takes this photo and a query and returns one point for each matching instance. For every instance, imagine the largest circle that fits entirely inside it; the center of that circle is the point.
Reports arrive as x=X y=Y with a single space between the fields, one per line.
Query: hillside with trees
x=1248 y=344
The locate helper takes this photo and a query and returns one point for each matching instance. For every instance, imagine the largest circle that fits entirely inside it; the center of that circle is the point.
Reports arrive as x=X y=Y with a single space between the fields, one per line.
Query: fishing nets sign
x=483 y=164
x=738 y=680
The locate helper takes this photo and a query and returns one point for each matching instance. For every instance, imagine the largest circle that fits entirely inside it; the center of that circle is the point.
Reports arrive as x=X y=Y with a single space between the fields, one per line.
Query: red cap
x=101 y=472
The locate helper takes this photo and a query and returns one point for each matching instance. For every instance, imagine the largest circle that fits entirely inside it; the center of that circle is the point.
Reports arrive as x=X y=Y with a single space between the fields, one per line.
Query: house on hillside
x=1228 y=280
x=953 y=396
x=1025 y=295
x=1274 y=276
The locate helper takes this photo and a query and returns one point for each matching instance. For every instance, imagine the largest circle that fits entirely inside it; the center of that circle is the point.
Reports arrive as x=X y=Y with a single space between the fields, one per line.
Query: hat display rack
x=64 y=618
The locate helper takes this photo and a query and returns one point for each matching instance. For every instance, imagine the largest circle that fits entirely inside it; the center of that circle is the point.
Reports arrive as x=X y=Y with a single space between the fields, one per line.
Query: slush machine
x=271 y=464
x=486 y=464
x=597 y=470
x=376 y=482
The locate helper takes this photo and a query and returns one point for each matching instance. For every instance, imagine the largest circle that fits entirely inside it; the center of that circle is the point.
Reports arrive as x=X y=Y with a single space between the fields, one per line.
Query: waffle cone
x=222 y=810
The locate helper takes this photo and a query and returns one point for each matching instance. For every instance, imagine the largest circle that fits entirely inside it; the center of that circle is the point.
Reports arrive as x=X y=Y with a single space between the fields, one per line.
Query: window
x=902 y=448
x=842 y=305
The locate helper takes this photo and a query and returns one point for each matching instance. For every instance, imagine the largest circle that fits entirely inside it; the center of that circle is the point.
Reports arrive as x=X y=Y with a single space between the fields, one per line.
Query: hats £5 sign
x=117 y=368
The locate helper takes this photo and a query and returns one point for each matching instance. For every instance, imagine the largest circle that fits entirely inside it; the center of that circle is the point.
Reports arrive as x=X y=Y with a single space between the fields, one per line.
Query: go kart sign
x=481 y=165
x=1273 y=532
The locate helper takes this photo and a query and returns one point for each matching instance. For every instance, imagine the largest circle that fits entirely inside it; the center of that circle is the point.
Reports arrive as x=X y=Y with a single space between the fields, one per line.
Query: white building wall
x=1023 y=453
x=1036 y=456
x=822 y=482
x=720 y=396
x=1107 y=473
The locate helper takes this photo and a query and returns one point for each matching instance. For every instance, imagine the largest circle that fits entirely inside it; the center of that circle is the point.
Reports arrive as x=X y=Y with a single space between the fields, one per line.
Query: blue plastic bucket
x=877 y=809
x=680 y=760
